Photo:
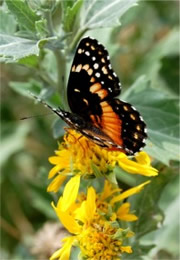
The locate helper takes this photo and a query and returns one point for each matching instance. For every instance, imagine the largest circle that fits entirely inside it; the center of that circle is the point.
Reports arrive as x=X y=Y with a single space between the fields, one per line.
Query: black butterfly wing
x=91 y=80
x=92 y=89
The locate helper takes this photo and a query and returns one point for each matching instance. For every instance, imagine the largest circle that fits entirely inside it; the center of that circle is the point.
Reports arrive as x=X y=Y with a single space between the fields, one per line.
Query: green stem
x=48 y=16
x=60 y=60
x=61 y=71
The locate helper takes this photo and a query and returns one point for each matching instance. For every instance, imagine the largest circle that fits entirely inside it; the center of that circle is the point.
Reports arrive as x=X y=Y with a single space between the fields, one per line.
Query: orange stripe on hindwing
x=111 y=124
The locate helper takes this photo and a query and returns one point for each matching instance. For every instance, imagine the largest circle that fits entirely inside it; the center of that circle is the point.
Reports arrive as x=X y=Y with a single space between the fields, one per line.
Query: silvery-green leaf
x=70 y=15
x=8 y=23
x=105 y=13
x=25 y=16
x=15 y=48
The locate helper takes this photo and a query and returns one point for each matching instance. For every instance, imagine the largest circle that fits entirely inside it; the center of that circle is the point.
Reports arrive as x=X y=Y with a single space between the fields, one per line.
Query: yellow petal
x=80 y=213
x=129 y=192
x=126 y=249
x=108 y=190
x=67 y=220
x=56 y=183
x=54 y=170
x=56 y=254
x=54 y=160
x=143 y=158
x=86 y=211
x=123 y=213
x=136 y=167
x=91 y=203
x=64 y=252
x=70 y=192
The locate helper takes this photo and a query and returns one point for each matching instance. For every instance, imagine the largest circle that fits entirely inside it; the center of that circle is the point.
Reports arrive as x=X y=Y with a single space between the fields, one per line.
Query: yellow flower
x=123 y=213
x=77 y=154
x=94 y=221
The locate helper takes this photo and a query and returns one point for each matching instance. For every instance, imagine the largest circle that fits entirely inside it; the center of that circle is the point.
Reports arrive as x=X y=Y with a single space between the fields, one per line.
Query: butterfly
x=96 y=112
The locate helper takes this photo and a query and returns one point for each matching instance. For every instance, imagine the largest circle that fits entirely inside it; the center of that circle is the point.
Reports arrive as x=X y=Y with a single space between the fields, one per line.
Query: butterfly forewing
x=91 y=79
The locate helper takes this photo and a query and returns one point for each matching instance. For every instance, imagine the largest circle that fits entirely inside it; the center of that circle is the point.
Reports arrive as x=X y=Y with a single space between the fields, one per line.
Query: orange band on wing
x=111 y=124
x=95 y=87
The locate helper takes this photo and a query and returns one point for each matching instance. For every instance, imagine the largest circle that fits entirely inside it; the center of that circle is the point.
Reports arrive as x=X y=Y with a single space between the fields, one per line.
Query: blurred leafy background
x=144 y=52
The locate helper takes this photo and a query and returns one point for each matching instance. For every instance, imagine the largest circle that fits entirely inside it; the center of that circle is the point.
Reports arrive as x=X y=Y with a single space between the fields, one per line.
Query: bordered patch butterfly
x=95 y=111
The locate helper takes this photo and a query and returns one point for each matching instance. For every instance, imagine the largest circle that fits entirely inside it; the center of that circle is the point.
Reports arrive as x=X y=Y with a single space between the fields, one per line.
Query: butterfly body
x=92 y=132
x=96 y=112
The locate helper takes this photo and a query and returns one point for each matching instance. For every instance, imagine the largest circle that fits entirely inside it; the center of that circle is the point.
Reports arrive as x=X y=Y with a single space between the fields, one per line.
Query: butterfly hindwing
x=132 y=134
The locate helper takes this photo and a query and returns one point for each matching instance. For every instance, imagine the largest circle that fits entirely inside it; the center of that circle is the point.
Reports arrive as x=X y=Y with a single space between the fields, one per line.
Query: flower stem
x=48 y=17
x=60 y=61
x=61 y=71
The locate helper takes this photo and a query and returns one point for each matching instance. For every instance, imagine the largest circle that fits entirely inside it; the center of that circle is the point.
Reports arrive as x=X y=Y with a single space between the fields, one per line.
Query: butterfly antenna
x=29 y=117
x=41 y=101
x=55 y=110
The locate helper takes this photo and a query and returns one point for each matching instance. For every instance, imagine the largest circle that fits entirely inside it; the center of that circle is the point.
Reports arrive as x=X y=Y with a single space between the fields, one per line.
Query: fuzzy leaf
x=67 y=4
x=29 y=61
x=75 y=251
x=23 y=88
x=7 y=24
x=104 y=13
x=152 y=62
x=70 y=15
x=160 y=113
x=25 y=16
x=15 y=48
x=169 y=72
x=41 y=28
x=150 y=216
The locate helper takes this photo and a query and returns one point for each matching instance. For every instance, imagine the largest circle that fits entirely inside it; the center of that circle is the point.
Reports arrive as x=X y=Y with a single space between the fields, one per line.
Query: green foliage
x=14 y=48
x=25 y=16
x=146 y=205
x=7 y=24
x=139 y=251
x=37 y=39
x=70 y=15
x=98 y=14
x=10 y=145
x=160 y=111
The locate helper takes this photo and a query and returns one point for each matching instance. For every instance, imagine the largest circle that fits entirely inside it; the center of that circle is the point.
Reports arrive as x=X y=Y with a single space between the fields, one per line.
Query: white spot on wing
x=97 y=74
x=96 y=66
x=133 y=108
x=87 y=53
x=80 y=51
x=140 y=117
